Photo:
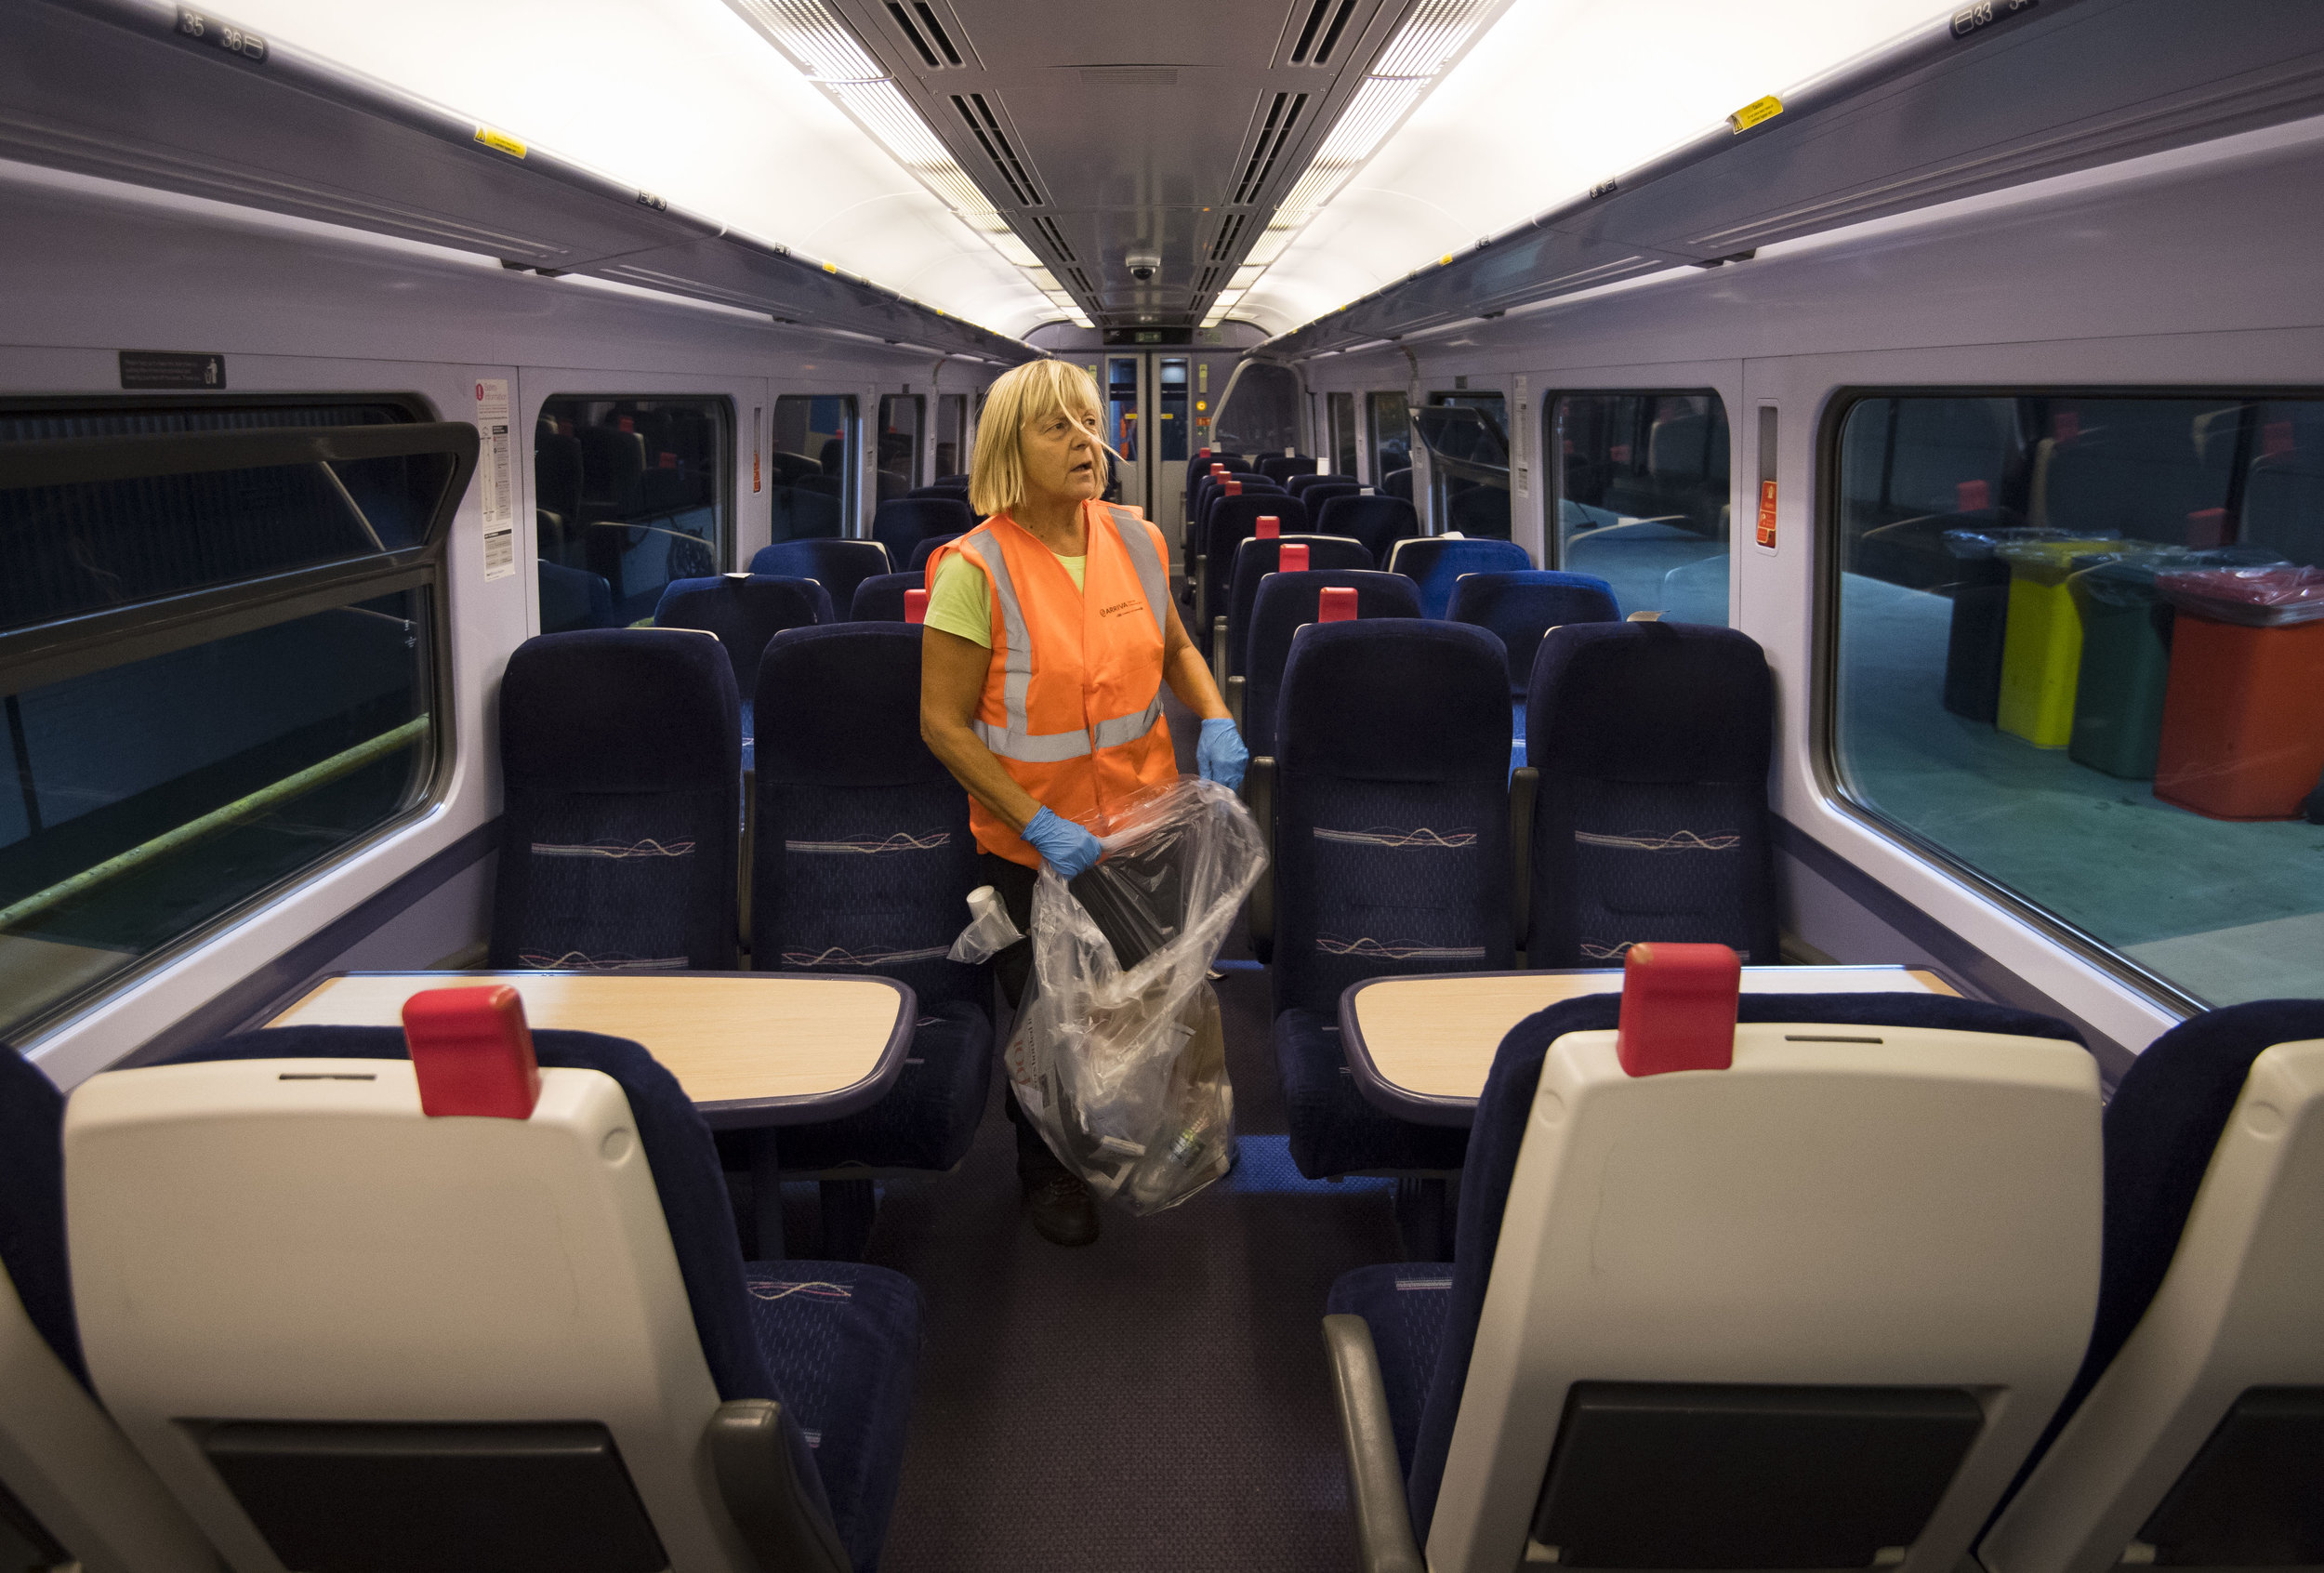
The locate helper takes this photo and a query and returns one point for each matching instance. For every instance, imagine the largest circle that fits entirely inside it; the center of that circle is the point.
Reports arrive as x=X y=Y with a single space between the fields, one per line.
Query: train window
x=184 y=739
x=1174 y=414
x=1467 y=444
x=2077 y=650
x=1392 y=435
x=1121 y=406
x=900 y=418
x=628 y=493
x=1260 y=413
x=1642 y=497
x=814 y=466
x=952 y=419
x=1339 y=416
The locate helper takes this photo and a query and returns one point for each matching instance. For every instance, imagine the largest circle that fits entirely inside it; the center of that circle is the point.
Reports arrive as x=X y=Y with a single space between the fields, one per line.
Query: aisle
x=1157 y=1399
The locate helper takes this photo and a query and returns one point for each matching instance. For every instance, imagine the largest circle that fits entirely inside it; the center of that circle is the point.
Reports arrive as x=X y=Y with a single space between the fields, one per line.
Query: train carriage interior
x=1757 y=1002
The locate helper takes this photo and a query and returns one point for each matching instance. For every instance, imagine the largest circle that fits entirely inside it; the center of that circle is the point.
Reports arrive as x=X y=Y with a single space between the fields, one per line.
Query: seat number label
x=208 y=30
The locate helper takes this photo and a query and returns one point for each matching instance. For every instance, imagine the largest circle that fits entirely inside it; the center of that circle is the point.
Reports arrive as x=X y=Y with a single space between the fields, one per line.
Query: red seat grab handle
x=1293 y=559
x=472 y=1052
x=1335 y=604
x=1677 y=1007
x=915 y=607
x=1269 y=527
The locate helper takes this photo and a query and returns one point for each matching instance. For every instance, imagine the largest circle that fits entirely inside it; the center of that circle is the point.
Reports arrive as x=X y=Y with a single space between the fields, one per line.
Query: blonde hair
x=1020 y=398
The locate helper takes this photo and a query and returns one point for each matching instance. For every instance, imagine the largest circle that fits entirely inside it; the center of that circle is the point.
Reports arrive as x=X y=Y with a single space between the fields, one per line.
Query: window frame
x=88 y=642
x=1372 y=433
x=855 y=524
x=1823 y=719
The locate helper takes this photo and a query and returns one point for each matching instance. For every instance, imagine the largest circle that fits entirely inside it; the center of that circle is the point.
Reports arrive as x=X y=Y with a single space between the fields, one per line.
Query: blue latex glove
x=1220 y=756
x=1064 y=845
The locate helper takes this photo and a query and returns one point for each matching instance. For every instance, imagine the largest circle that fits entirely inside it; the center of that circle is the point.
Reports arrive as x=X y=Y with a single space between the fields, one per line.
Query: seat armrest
x=781 y=1525
x=1235 y=698
x=1202 y=583
x=1259 y=796
x=1217 y=650
x=1525 y=786
x=1643 y=617
x=1376 y=1489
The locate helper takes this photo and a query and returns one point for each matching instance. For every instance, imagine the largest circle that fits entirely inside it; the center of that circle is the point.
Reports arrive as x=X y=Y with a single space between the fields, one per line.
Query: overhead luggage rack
x=146 y=92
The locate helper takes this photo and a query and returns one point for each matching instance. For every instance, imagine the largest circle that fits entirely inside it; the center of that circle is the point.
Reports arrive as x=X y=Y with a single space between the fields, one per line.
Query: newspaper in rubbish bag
x=1118 y=1057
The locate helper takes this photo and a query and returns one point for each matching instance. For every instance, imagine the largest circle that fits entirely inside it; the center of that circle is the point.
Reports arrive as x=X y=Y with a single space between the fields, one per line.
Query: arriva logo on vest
x=1120 y=607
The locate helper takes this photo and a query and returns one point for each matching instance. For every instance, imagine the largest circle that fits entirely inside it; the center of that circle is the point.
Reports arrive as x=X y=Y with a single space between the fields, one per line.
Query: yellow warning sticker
x=830 y=267
x=1750 y=114
x=500 y=140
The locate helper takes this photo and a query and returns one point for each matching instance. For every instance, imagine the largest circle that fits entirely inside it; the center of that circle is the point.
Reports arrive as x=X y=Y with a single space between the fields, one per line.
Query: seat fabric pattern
x=1403 y=1304
x=2161 y=1126
x=1254 y=559
x=1523 y=605
x=1333 y=1128
x=1437 y=563
x=1378 y=522
x=1285 y=602
x=837 y=565
x=1651 y=822
x=1497 y=1132
x=851 y=1379
x=881 y=598
x=830 y=1334
x=620 y=755
x=863 y=864
x=902 y=523
x=31 y=1203
x=1391 y=846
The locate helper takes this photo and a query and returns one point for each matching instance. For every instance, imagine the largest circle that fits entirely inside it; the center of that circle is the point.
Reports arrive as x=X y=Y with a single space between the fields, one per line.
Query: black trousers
x=1013 y=883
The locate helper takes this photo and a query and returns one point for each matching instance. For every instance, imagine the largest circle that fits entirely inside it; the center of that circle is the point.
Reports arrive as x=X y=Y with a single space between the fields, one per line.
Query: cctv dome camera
x=1142 y=268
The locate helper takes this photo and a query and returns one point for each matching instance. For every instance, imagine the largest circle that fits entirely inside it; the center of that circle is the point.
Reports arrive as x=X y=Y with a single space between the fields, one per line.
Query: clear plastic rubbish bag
x=1118 y=1056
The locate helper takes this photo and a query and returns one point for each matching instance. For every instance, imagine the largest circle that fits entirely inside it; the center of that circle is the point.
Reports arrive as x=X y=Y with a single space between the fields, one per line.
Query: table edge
x=1435 y=1108
x=727 y=1113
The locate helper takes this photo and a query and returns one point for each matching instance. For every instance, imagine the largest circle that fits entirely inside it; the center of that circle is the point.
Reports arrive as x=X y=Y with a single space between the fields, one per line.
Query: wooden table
x=754 y=1050
x=1420 y=1047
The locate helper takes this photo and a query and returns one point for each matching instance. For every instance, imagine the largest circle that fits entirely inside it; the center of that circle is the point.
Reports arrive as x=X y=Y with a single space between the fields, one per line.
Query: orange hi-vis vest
x=1073 y=699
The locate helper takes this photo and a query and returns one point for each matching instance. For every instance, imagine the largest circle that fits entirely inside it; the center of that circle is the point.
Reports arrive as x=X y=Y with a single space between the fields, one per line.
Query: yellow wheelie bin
x=2041 y=650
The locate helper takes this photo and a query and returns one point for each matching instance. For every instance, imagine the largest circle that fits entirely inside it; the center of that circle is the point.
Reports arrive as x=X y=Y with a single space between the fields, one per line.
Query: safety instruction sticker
x=1750 y=114
x=1521 y=439
x=499 y=141
x=496 y=475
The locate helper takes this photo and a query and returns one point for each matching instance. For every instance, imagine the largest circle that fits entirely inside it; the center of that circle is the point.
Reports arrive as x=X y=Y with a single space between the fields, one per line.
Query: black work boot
x=1064 y=1211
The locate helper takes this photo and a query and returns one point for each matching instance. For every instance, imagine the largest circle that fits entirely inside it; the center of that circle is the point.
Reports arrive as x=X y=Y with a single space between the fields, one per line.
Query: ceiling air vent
x=1229 y=232
x=1207 y=281
x=1056 y=237
x=928 y=35
x=1282 y=116
x=1080 y=280
x=985 y=125
x=1326 y=20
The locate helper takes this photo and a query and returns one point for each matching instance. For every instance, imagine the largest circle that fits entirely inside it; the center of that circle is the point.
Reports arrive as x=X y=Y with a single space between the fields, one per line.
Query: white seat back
x=294 y=1241
x=64 y=1460
x=2243 y=1306
x=1843 y=1207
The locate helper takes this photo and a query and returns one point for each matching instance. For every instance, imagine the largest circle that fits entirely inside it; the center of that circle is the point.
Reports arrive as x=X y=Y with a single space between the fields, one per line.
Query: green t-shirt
x=961 y=601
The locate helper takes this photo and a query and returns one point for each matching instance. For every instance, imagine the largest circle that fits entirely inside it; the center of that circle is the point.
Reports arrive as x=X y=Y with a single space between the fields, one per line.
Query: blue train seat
x=1397 y=483
x=1521 y=606
x=1390 y=852
x=1806 y=1311
x=1280 y=467
x=2193 y=1431
x=745 y=611
x=862 y=862
x=574 y=598
x=1329 y=486
x=902 y=523
x=528 y=1341
x=926 y=550
x=621 y=763
x=1283 y=604
x=1254 y=559
x=836 y=565
x=1378 y=521
x=1300 y=485
x=2283 y=506
x=1647 y=817
x=1437 y=563
x=881 y=598
x=1229 y=521
x=91 y=1498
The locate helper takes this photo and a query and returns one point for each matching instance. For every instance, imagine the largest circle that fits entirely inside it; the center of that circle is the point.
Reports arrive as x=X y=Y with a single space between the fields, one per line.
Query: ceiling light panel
x=818 y=42
x=1431 y=38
